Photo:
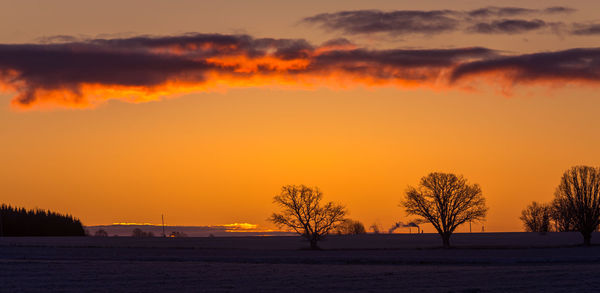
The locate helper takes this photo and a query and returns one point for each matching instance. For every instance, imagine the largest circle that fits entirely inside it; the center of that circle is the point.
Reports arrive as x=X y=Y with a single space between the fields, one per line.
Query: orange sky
x=218 y=156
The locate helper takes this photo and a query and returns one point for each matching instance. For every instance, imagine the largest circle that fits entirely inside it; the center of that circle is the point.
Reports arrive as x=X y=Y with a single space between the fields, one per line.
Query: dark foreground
x=491 y=263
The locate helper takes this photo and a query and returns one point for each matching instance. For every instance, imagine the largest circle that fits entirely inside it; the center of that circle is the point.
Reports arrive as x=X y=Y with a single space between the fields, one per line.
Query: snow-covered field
x=480 y=262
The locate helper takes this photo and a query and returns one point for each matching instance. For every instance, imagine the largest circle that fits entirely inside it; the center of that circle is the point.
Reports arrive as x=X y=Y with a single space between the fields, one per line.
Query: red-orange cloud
x=86 y=73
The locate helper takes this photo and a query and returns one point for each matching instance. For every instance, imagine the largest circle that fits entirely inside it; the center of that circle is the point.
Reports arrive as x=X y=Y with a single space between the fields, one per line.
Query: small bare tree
x=536 y=217
x=302 y=212
x=578 y=195
x=446 y=201
x=375 y=228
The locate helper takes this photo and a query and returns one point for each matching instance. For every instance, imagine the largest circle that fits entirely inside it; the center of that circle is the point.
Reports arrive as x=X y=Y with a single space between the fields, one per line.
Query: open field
x=489 y=262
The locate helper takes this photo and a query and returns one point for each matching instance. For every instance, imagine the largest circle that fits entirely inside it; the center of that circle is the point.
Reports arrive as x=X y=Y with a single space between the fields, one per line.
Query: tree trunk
x=313 y=244
x=587 y=238
x=446 y=240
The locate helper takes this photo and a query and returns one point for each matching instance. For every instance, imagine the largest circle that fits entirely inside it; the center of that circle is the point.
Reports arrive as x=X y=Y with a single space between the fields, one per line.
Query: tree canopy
x=303 y=212
x=446 y=201
x=577 y=198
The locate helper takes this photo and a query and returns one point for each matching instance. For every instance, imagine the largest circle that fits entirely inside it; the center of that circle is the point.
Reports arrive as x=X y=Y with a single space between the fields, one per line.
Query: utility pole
x=470 y=227
x=162 y=216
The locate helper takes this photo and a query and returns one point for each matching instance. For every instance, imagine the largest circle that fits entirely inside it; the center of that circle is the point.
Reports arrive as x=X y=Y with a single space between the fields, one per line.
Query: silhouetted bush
x=137 y=232
x=22 y=222
x=350 y=227
x=101 y=233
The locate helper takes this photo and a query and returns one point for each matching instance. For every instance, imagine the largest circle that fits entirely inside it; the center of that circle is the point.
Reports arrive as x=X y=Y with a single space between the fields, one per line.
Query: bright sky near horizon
x=120 y=111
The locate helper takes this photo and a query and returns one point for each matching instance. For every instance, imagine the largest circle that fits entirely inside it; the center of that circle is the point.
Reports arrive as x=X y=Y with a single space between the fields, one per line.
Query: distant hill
x=21 y=222
x=190 y=231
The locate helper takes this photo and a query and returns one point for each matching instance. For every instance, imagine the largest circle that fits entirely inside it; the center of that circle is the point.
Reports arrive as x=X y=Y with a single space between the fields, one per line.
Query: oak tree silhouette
x=446 y=201
x=302 y=212
x=578 y=197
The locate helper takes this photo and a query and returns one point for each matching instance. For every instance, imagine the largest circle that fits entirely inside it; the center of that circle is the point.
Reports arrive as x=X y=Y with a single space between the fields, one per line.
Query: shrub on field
x=137 y=232
x=101 y=233
x=536 y=217
x=350 y=227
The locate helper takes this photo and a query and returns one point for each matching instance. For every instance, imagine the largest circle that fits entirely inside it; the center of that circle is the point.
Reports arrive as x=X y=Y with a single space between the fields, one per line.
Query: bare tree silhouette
x=536 y=217
x=375 y=228
x=302 y=212
x=578 y=195
x=446 y=201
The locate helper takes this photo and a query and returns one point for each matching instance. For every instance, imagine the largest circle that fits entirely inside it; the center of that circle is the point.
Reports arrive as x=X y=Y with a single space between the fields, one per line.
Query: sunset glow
x=201 y=112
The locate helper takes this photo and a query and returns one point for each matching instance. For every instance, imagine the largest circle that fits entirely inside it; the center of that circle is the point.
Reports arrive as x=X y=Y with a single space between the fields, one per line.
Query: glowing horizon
x=202 y=112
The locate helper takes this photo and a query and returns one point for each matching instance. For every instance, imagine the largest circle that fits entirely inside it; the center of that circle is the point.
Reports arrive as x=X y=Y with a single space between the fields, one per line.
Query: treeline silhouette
x=21 y=222
x=447 y=201
x=576 y=205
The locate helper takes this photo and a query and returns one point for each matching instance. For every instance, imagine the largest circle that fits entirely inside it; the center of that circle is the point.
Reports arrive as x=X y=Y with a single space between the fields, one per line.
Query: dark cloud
x=338 y=42
x=493 y=11
x=569 y=65
x=400 y=58
x=586 y=29
x=206 y=45
x=145 y=62
x=51 y=67
x=395 y=22
x=424 y=66
x=403 y=22
x=58 y=39
x=559 y=9
x=86 y=71
x=508 y=26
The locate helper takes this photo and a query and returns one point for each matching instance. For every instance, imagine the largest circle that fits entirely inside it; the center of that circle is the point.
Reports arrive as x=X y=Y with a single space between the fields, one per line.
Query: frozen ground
x=491 y=262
